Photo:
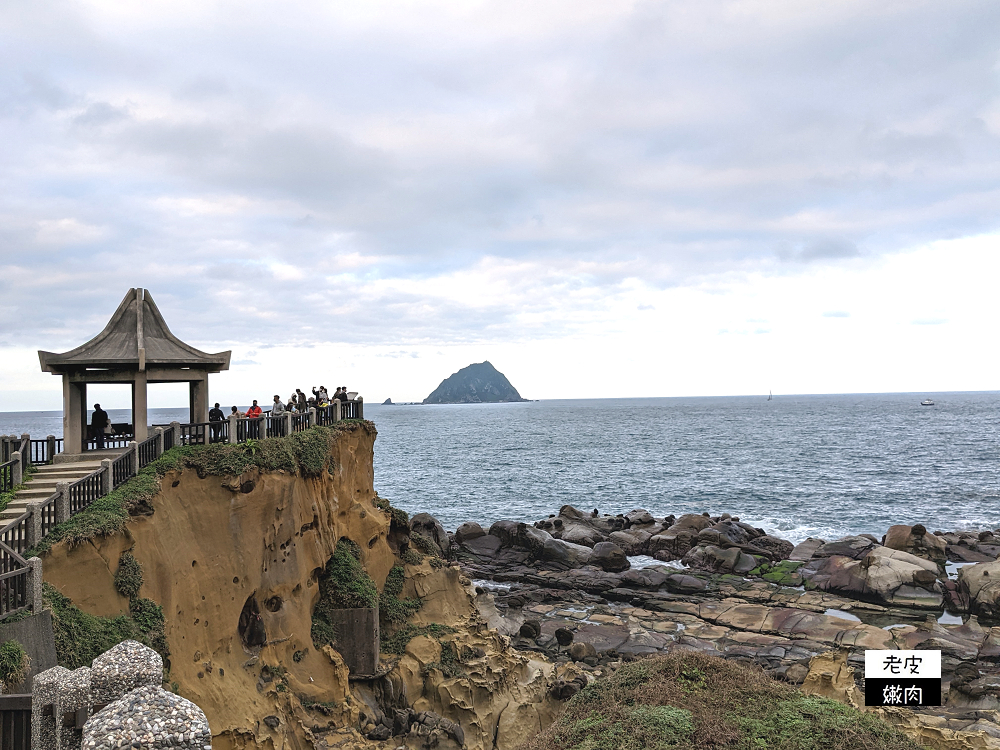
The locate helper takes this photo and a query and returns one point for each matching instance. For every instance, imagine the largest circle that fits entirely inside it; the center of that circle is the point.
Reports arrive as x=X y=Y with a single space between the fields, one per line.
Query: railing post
x=16 y=468
x=312 y=416
x=62 y=502
x=288 y=423
x=158 y=434
x=50 y=446
x=107 y=479
x=134 y=447
x=35 y=583
x=33 y=528
x=176 y=427
x=336 y=410
x=26 y=447
x=234 y=423
x=361 y=407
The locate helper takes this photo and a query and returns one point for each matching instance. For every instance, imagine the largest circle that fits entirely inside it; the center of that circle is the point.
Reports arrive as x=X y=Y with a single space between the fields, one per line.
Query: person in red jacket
x=254 y=428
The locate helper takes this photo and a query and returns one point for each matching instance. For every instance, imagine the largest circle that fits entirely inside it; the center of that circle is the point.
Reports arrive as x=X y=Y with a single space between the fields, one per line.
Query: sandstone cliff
x=234 y=562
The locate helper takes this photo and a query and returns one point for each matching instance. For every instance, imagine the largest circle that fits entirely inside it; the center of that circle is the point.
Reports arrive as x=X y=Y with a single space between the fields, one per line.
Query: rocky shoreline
x=598 y=590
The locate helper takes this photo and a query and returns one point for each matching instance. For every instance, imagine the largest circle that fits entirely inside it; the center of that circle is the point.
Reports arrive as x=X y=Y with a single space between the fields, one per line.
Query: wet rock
x=483 y=546
x=674 y=543
x=981 y=583
x=804 y=551
x=854 y=547
x=609 y=557
x=633 y=541
x=565 y=554
x=639 y=517
x=468 y=530
x=883 y=575
x=644 y=578
x=530 y=629
x=916 y=541
x=771 y=547
x=678 y=583
x=564 y=636
x=718 y=560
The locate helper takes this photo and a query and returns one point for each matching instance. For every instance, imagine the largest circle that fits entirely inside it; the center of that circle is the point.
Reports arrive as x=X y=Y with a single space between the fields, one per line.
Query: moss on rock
x=80 y=637
x=344 y=584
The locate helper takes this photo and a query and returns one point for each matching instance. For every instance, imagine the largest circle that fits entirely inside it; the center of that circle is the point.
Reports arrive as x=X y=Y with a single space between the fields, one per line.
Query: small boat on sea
x=927 y=402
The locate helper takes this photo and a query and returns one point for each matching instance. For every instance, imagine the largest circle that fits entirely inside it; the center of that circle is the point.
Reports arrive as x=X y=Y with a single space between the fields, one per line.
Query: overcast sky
x=601 y=198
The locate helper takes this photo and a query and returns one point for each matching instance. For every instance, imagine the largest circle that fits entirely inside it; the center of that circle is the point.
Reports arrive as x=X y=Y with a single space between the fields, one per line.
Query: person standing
x=277 y=408
x=216 y=417
x=98 y=423
x=254 y=428
x=302 y=401
x=343 y=393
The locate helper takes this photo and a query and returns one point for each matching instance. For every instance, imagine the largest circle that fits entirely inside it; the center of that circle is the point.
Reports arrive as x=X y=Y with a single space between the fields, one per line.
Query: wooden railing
x=351 y=410
x=146 y=452
x=49 y=515
x=122 y=469
x=15 y=722
x=7 y=476
x=14 y=583
x=276 y=426
x=85 y=491
x=195 y=433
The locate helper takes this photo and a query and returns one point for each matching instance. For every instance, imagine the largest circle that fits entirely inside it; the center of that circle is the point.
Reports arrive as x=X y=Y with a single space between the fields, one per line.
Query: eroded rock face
x=882 y=575
x=206 y=549
x=981 y=582
x=916 y=541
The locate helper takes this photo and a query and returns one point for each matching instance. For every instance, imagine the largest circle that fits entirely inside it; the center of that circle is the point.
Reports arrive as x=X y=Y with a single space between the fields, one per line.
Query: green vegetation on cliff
x=344 y=584
x=80 y=637
x=307 y=453
x=693 y=701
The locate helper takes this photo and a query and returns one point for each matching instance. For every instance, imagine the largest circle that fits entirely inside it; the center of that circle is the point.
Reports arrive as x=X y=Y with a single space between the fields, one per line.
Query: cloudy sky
x=600 y=197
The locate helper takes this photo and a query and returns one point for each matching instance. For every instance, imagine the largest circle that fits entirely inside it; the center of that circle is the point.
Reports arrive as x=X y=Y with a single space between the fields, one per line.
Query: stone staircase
x=43 y=484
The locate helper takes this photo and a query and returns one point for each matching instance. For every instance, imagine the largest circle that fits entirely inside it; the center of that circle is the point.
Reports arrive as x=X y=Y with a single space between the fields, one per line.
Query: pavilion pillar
x=198 y=390
x=139 y=401
x=74 y=415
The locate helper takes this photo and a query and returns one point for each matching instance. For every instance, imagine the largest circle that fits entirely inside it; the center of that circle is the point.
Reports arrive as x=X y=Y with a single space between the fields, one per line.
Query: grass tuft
x=696 y=702
x=14 y=663
x=80 y=637
x=344 y=584
x=392 y=609
x=128 y=577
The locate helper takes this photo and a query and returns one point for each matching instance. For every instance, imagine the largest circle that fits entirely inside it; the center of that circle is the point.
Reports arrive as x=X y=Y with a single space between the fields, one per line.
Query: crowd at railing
x=21 y=579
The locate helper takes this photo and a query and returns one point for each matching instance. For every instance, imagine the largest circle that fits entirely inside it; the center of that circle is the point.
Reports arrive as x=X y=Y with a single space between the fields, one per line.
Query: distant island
x=480 y=383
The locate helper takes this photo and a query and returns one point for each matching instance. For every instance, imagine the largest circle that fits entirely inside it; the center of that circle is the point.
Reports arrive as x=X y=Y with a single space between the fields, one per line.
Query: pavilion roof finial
x=136 y=337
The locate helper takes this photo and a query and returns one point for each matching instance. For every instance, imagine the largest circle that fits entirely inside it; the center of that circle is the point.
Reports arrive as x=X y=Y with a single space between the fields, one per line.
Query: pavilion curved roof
x=136 y=336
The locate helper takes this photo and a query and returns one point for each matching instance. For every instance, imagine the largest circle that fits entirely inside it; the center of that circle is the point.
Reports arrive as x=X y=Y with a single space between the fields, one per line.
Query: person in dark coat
x=216 y=416
x=98 y=423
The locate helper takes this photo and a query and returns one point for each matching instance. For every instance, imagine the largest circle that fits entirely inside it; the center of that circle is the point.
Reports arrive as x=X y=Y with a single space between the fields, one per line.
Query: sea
x=798 y=466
